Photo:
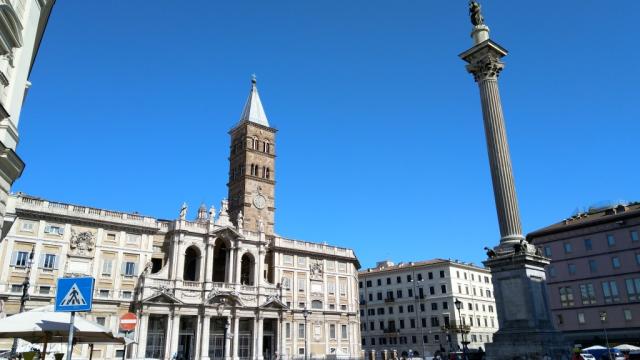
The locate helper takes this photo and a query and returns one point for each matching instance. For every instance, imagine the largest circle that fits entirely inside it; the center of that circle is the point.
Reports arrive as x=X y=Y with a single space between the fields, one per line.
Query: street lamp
x=417 y=302
x=458 y=304
x=25 y=296
x=603 y=318
x=305 y=314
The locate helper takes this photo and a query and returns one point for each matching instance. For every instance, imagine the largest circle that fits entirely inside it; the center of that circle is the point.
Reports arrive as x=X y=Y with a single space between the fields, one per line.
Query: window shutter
x=123 y=268
x=43 y=257
x=14 y=257
x=135 y=269
x=55 y=262
x=60 y=231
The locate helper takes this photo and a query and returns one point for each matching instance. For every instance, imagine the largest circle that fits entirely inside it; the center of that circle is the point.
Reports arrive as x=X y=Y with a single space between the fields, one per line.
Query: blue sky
x=380 y=143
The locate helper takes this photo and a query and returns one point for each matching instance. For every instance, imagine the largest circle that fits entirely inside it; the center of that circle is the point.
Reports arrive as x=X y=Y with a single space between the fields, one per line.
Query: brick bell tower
x=252 y=167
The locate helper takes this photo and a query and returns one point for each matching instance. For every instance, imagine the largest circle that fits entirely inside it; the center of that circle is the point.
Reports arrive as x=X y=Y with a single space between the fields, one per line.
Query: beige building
x=191 y=282
x=22 y=25
x=410 y=307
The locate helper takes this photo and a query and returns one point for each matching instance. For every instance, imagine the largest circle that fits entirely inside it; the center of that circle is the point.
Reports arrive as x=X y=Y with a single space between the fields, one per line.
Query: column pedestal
x=526 y=327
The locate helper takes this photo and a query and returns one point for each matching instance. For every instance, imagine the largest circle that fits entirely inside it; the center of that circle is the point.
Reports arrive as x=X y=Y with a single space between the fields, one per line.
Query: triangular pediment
x=274 y=303
x=227 y=232
x=162 y=298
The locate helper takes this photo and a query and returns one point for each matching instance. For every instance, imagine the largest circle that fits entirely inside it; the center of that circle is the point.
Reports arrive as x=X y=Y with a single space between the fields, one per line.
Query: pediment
x=162 y=298
x=227 y=232
x=274 y=303
x=222 y=297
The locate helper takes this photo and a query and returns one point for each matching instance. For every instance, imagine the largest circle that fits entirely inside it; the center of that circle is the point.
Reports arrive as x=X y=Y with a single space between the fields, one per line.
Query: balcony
x=455 y=328
x=389 y=300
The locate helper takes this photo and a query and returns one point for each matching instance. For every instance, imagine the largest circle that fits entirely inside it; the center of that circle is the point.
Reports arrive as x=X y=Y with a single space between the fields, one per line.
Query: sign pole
x=124 y=347
x=70 y=344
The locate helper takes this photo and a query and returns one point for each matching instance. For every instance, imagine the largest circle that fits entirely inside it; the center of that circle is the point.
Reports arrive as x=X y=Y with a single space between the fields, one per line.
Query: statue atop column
x=475 y=12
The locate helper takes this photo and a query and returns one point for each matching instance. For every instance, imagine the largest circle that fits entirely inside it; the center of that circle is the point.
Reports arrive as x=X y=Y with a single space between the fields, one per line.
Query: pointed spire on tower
x=253 y=110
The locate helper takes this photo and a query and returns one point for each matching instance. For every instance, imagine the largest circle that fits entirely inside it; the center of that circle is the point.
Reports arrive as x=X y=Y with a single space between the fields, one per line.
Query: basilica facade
x=218 y=285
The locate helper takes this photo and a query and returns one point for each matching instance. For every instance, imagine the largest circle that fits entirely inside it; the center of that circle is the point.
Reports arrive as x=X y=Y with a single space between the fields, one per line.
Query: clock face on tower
x=259 y=201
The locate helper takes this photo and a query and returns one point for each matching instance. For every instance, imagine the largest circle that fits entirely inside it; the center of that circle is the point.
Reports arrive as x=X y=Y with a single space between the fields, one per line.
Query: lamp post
x=417 y=302
x=305 y=314
x=458 y=304
x=603 y=318
x=25 y=296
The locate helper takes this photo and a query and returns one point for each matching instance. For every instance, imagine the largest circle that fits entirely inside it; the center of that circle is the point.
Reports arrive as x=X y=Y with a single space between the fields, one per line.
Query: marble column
x=230 y=265
x=236 y=335
x=260 y=335
x=142 y=335
x=208 y=272
x=485 y=65
x=206 y=329
x=526 y=330
x=227 y=340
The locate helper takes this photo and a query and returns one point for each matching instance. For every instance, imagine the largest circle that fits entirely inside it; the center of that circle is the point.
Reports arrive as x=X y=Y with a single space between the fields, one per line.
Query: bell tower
x=252 y=167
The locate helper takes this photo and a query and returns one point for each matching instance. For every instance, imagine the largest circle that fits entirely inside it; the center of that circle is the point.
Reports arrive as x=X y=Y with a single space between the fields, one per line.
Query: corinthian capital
x=486 y=68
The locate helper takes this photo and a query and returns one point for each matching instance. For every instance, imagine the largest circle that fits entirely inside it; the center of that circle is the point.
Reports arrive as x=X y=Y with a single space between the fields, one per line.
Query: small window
x=332 y=331
x=441 y=273
x=615 y=262
x=547 y=251
x=567 y=248
x=343 y=331
x=126 y=294
x=103 y=293
x=44 y=290
x=571 y=268
x=443 y=288
x=593 y=266
x=107 y=266
x=49 y=261
x=581 y=319
x=133 y=238
x=611 y=240
x=398 y=280
x=379 y=282
x=302 y=261
x=552 y=271
x=20 y=259
x=388 y=281
x=627 y=315
x=129 y=268
x=316 y=304
x=588 y=244
x=54 y=230
x=111 y=237
x=634 y=235
x=101 y=320
x=27 y=226
x=288 y=259
x=16 y=288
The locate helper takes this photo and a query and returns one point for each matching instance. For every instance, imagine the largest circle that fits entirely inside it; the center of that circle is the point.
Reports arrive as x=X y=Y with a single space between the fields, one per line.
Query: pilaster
x=236 y=335
x=142 y=335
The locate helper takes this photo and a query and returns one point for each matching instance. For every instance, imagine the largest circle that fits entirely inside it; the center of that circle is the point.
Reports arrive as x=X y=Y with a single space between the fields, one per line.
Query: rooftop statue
x=475 y=12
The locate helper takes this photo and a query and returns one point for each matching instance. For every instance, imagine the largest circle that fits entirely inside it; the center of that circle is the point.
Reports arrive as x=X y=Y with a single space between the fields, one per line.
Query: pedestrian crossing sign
x=74 y=294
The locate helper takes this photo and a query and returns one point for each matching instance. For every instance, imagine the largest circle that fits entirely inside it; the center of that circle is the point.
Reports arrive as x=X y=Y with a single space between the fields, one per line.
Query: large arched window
x=220 y=261
x=191 y=264
x=246 y=269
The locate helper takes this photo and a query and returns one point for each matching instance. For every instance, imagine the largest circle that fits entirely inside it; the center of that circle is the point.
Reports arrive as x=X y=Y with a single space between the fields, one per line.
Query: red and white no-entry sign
x=128 y=322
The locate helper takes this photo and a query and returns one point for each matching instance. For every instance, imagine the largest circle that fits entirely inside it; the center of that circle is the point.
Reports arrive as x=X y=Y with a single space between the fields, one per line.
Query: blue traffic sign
x=74 y=294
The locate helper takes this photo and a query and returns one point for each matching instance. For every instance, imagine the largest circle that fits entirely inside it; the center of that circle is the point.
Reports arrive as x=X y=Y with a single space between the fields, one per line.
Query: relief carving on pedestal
x=82 y=243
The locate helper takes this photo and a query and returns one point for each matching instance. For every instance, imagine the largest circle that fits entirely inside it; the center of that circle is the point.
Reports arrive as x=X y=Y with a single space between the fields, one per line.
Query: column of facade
x=238 y=266
x=175 y=335
x=168 y=337
x=229 y=256
x=208 y=271
x=143 y=329
x=236 y=335
x=206 y=329
x=254 y=343
x=198 y=332
x=227 y=340
x=294 y=337
x=180 y=272
x=282 y=352
x=260 y=334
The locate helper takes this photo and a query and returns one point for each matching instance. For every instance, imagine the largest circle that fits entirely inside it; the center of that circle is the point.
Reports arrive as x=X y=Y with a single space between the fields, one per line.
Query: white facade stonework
x=22 y=25
x=410 y=307
x=191 y=282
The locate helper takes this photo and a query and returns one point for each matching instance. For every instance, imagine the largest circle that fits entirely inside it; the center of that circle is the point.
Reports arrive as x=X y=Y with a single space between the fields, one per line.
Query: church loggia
x=224 y=285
